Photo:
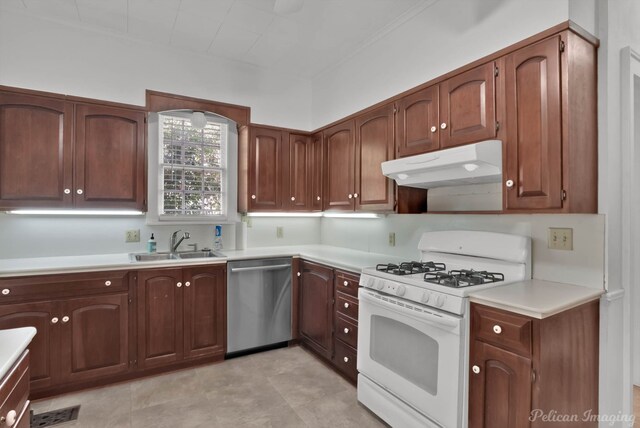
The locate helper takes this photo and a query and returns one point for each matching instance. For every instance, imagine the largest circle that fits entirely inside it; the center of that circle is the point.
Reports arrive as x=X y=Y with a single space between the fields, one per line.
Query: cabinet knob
x=54 y=320
x=475 y=369
x=67 y=191
x=299 y=274
x=10 y=420
x=187 y=284
x=253 y=196
x=346 y=330
x=355 y=195
x=350 y=196
x=293 y=198
x=346 y=305
x=107 y=283
x=179 y=285
x=497 y=329
x=65 y=319
x=317 y=198
x=443 y=125
x=345 y=359
x=5 y=291
x=79 y=192
x=434 y=128
x=509 y=183
x=346 y=283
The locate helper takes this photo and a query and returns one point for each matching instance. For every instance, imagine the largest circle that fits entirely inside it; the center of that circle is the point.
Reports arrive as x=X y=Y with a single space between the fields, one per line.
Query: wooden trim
x=32 y=92
x=82 y=100
x=163 y=101
x=278 y=128
x=567 y=25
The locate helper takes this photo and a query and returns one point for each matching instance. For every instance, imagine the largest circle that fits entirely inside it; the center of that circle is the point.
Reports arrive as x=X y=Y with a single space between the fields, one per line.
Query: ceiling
x=305 y=43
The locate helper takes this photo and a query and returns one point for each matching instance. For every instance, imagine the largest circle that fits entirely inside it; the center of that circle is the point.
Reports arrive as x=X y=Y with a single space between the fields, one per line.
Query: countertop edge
x=534 y=312
x=8 y=361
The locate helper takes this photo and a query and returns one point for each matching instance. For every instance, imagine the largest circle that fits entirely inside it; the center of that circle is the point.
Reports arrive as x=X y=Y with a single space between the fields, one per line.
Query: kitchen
x=121 y=69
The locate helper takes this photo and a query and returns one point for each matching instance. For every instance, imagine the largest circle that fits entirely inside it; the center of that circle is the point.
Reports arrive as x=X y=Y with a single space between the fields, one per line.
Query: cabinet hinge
x=533 y=376
x=562 y=46
x=145 y=119
x=496 y=71
x=564 y=195
x=497 y=126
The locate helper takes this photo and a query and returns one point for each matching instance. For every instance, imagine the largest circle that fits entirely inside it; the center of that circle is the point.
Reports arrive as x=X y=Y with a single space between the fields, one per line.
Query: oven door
x=414 y=352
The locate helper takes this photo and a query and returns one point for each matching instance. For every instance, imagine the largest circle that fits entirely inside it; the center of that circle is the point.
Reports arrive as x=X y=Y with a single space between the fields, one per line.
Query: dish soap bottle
x=217 y=241
x=151 y=244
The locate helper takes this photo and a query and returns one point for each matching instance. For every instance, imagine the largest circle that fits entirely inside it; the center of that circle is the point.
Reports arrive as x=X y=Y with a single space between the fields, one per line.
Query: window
x=192 y=173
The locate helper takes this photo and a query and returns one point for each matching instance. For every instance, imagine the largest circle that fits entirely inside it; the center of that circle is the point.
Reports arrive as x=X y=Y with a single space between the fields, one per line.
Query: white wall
x=447 y=35
x=50 y=56
x=583 y=266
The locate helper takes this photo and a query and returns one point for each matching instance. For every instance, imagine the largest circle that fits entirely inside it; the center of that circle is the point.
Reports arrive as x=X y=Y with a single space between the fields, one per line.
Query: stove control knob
x=380 y=284
x=401 y=290
x=440 y=301
x=425 y=297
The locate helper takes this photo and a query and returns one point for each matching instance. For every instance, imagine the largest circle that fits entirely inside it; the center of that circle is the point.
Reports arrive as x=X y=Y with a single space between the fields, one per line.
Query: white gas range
x=413 y=324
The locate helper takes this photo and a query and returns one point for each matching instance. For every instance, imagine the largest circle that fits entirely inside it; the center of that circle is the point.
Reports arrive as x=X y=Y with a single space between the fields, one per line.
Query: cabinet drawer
x=14 y=390
x=347 y=331
x=347 y=283
x=347 y=305
x=502 y=328
x=345 y=360
x=44 y=286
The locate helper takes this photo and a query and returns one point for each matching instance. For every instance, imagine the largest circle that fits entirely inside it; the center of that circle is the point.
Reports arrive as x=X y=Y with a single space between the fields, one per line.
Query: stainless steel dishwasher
x=258 y=304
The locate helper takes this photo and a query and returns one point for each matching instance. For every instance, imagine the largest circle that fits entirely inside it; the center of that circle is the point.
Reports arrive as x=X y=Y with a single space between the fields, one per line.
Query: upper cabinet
x=417 y=122
x=45 y=164
x=468 y=107
x=316 y=167
x=266 y=169
x=551 y=129
x=339 y=142
x=300 y=175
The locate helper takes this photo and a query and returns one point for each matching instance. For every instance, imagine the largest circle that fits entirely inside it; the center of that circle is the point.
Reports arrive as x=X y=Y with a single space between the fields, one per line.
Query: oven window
x=392 y=344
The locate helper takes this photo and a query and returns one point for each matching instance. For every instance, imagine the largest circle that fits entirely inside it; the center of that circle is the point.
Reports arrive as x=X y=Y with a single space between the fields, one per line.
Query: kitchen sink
x=154 y=257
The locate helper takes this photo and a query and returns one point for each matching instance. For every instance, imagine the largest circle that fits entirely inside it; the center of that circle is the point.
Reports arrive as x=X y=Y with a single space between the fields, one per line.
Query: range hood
x=470 y=164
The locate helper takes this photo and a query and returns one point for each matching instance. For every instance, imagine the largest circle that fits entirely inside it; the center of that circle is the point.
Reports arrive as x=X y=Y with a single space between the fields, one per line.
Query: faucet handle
x=187 y=235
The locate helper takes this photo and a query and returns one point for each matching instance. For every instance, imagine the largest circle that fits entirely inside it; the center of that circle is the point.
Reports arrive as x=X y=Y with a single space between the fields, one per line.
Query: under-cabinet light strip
x=77 y=212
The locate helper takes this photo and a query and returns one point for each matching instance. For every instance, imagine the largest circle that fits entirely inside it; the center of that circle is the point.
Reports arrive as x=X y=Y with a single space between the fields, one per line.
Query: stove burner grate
x=410 y=268
x=463 y=278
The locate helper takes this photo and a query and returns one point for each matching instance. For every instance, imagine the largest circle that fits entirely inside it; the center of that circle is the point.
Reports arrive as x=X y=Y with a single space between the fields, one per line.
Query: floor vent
x=55 y=417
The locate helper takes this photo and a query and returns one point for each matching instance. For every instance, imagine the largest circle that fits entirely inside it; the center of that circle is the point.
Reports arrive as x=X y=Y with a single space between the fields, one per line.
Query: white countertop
x=536 y=298
x=342 y=258
x=12 y=344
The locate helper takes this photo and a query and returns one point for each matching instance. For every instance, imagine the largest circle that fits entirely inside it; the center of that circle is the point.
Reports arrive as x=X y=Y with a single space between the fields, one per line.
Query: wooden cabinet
x=417 y=122
x=298 y=197
x=345 y=320
x=468 y=107
x=518 y=364
x=374 y=145
x=551 y=143
x=14 y=395
x=316 y=166
x=339 y=142
x=182 y=314
x=316 y=308
x=56 y=153
x=266 y=169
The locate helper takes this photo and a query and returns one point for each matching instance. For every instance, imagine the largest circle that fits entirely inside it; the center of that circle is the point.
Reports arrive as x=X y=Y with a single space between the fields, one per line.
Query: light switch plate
x=279 y=232
x=392 y=239
x=132 y=235
x=560 y=238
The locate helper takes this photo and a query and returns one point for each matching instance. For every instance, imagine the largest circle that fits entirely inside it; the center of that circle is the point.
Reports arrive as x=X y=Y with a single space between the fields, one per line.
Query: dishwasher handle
x=255 y=268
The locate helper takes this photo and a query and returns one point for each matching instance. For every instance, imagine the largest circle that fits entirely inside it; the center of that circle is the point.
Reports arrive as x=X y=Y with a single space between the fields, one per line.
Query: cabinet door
x=316 y=307
x=500 y=393
x=266 y=170
x=35 y=151
x=340 y=175
x=534 y=127
x=298 y=197
x=417 y=123
x=316 y=165
x=468 y=107
x=44 y=349
x=205 y=311
x=374 y=145
x=95 y=337
x=109 y=158
x=160 y=339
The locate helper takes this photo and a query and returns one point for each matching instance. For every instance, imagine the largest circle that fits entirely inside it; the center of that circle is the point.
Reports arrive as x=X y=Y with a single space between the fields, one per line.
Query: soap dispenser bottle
x=151 y=244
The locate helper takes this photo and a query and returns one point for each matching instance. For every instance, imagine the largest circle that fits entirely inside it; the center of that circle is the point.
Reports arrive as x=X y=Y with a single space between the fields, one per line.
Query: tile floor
x=280 y=388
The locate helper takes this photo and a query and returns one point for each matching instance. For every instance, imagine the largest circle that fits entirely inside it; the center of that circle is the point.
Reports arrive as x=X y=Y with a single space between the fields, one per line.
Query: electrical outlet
x=560 y=238
x=392 y=239
x=279 y=232
x=132 y=235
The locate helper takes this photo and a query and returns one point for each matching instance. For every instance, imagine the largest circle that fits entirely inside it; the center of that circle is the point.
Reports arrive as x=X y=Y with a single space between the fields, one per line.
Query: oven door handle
x=442 y=321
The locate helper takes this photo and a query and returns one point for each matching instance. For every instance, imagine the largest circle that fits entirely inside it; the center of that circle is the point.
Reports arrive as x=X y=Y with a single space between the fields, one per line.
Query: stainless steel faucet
x=173 y=245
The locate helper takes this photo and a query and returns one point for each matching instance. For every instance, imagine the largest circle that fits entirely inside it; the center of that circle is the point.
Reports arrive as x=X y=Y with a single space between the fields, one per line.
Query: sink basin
x=153 y=257
x=199 y=254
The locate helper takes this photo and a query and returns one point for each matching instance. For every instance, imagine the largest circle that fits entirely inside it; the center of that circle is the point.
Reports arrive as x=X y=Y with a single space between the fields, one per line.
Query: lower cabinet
x=522 y=366
x=14 y=395
x=328 y=315
x=181 y=314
